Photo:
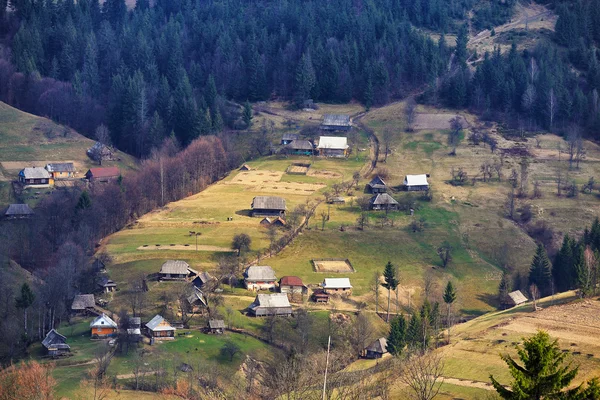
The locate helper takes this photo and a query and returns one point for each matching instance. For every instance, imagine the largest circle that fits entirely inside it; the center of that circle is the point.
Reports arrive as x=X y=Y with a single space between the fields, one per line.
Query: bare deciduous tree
x=410 y=113
x=552 y=107
x=423 y=375
x=386 y=138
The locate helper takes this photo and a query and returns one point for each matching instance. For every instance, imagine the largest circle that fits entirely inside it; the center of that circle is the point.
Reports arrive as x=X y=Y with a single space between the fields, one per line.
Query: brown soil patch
x=436 y=121
x=324 y=174
x=179 y=247
x=255 y=177
x=339 y=266
x=291 y=188
x=296 y=169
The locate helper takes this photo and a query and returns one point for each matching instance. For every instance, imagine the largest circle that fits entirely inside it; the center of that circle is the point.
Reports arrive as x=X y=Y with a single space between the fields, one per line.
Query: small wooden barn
x=288 y=138
x=107 y=285
x=134 y=325
x=377 y=185
x=17 y=211
x=270 y=304
x=83 y=302
x=103 y=326
x=245 y=167
x=416 y=182
x=176 y=270
x=515 y=298
x=292 y=285
x=319 y=296
x=197 y=301
x=383 y=201
x=160 y=329
x=61 y=170
x=336 y=122
x=376 y=349
x=202 y=280
x=55 y=344
x=35 y=177
x=268 y=206
x=300 y=147
x=259 y=278
x=102 y=174
x=216 y=326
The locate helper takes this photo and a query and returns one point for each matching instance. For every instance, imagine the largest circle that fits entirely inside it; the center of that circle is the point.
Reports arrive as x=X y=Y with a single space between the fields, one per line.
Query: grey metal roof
x=336 y=119
x=35 y=173
x=289 y=136
x=174 y=267
x=205 y=277
x=271 y=300
x=517 y=297
x=135 y=321
x=301 y=145
x=268 y=203
x=377 y=183
x=336 y=283
x=106 y=282
x=83 y=301
x=216 y=324
x=103 y=321
x=378 y=346
x=197 y=296
x=156 y=321
x=260 y=273
x=383 y=198
x=55 y=339
x=60 y=167
x=18 y=209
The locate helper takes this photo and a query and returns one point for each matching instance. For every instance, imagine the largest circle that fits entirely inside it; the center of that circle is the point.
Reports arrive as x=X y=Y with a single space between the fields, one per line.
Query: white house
x=260 y=278
x=333 y=146
x=337 y=286
x=416 y=182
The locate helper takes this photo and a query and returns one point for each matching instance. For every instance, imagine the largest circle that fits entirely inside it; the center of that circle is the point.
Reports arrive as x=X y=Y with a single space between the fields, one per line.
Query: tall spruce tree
x=391 y=283
x=539 y=272
x=24 y=301
x=503 y=289
x=449 y=299
x=563 y=269
x=397 y=338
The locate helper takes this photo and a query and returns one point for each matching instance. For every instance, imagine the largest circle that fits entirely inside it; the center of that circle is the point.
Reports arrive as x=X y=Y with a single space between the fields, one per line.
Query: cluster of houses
x=41 y=177
x=381 y=200
x=326 y=146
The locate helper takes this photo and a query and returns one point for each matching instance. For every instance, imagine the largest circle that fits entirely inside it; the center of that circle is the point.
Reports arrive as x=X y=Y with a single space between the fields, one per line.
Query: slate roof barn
x=416 y=182
x=336 y=122
x=517 y=298
x=268 y=206
x=197 y=299
x=18 y=211
x=55 y=344
x=377 y=185
x=270 y=304
x=174 y=269
x=35 y=176
x=202 y=279
x=216 y=326
x=108 y=285
x=300 y=147
x=376 y=349
x=82 y=302
x=259 y=277
x=383 y=201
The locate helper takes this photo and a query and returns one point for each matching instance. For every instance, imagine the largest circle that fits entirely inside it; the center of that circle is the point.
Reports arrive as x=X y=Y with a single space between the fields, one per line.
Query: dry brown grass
x=339 y=266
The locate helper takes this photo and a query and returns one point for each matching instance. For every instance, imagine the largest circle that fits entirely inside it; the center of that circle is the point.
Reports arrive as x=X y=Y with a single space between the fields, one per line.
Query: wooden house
x=337 y=286
x=102 y=174
x=383 y=201
x=134 y=325
x=259 y=278
x=377 y=185
x=300 y=147
x=292 y=285
x=270 y=304
x=288 y=138
x=55 y=344
x=515 y=298
x=203 y=279
x=177 y=270
x=268 y=206
x=216 y=326
x=160 y=329
x=416 y=182
x=17 y=211
x=197 y=301
x=376 y=349
x=103 y=326
x=83 y=302
x=107 y=285
x=61 y=170
x=336 y=122
x=333 y=146
x=35 y=177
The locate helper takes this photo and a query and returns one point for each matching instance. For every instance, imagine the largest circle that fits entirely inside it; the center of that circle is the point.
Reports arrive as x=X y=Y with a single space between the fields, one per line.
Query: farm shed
x=98 y=265
x=103 y=326
x=376 y=349
x=134 y=327
x=515 y=298
x=259 y=278
x=292 y=284
x=82 y=302
x=319 y=296
x=203 y=278
x=336 y=122
x=61 y=170
x=416 y=182
x=197 y=301
x=245 y=167
x=270 y=304
x=377 y=185
x=55 y=344
x=336 y=200
x=15 y=211
x=333 y=146
x=175 y=270
x=383 y=201
x=268 y=206
x=288 y=138
x=160 y=329
x=102 y=174
x=107 y=285
x=300 y=147
x=216 y=326
x=35 y=177
x=337 y=285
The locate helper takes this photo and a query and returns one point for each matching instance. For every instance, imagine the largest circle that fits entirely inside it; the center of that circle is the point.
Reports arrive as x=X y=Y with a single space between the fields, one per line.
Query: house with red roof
x=102 y=174
x=291 y=285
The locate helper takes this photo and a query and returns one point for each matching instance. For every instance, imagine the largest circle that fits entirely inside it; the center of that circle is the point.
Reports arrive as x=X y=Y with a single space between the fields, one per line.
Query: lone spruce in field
x=449 y=298
x=539 y=273
x=391 y=283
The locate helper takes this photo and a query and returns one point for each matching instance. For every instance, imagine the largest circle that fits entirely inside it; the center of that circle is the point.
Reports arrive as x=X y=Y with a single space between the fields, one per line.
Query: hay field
x=337 y=266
